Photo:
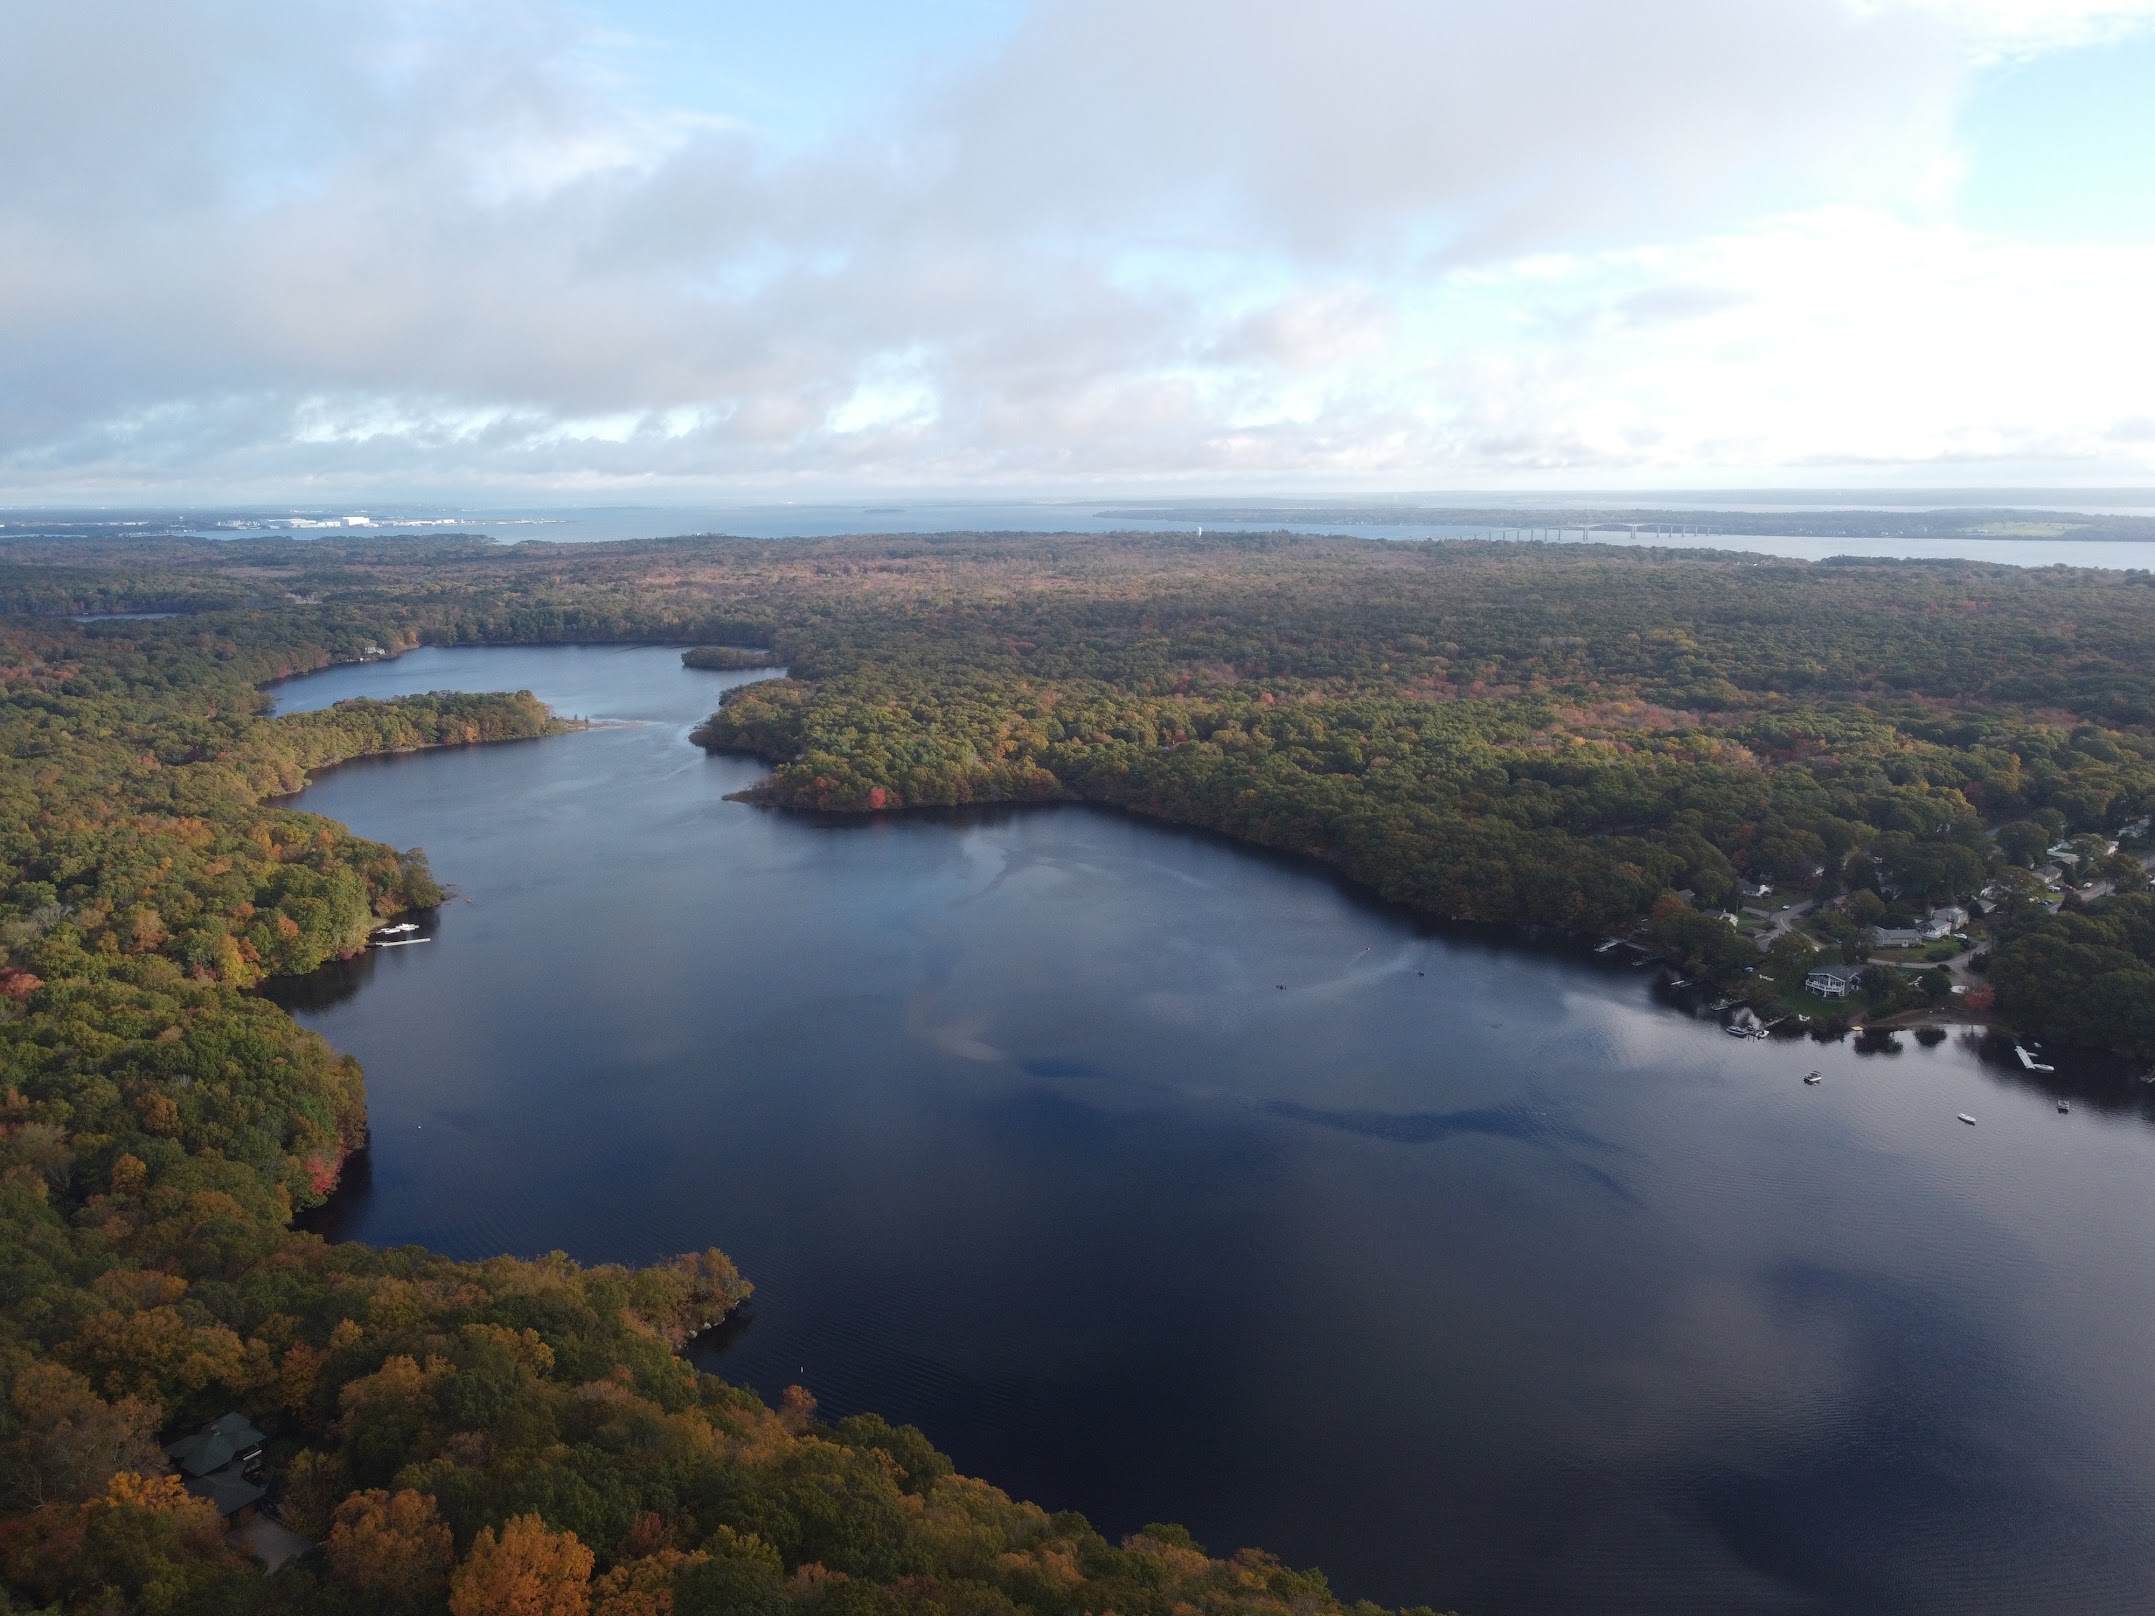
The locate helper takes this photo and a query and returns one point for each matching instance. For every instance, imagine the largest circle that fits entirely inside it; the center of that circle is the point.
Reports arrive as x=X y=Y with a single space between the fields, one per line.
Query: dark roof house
x=222 y=1462
x=216 y=1445
x=228 y=1489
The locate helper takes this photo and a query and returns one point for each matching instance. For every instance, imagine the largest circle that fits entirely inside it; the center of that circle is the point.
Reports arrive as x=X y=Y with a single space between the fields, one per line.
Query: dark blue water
x=1166 y=1181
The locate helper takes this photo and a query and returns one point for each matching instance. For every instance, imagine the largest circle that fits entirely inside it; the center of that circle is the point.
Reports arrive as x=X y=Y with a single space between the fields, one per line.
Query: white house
x=1945 y=922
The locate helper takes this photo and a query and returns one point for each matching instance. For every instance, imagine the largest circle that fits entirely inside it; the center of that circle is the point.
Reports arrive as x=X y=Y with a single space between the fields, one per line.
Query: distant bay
x=1530 y=518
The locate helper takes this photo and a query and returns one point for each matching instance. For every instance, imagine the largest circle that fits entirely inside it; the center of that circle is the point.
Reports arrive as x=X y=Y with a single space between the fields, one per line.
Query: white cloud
x=2013 y=27
x=1446 y=123
x=246 y=247
x=1841 y=337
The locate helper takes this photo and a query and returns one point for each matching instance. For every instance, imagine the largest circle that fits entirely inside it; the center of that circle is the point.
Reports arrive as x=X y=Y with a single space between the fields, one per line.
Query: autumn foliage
x=524 y=1571
x=394 y=1546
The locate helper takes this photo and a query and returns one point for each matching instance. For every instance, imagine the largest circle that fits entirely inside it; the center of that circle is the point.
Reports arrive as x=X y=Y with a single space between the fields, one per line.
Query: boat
x=1967 y=1119
x=2064 y=1106
x=1735 y=1031
x=393 y=931
x=1814 y=1078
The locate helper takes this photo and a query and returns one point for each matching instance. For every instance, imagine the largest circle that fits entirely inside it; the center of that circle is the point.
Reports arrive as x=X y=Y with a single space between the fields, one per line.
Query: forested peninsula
x=1587 y=738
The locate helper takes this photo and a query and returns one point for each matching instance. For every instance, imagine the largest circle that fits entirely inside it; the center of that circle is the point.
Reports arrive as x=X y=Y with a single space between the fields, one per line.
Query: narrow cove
x=1163 y=1181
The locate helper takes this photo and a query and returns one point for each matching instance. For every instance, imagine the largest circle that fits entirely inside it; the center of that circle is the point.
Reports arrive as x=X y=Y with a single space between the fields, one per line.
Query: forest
x=1579 y=737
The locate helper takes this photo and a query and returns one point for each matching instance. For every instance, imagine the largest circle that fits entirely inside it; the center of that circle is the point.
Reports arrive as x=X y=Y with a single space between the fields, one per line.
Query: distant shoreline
x=2001 y=524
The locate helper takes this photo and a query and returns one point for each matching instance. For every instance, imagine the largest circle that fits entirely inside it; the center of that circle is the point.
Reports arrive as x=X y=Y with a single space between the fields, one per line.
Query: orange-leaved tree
x=394 y=1546
x=526 y=1571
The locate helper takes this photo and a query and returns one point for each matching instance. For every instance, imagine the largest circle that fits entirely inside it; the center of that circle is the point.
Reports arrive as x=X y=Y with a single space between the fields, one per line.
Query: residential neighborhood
x=1847 y=946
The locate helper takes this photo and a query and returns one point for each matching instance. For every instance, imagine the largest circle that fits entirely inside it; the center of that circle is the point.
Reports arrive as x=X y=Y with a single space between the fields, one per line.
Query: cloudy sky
x=653 y=248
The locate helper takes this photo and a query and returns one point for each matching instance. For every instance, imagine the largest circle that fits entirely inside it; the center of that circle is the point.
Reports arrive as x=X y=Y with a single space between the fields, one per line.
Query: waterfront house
x=1833 y=981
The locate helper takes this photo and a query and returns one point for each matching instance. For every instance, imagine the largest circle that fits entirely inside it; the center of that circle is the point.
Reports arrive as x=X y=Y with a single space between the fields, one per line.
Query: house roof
x=216 y=1445
x=227 y=1489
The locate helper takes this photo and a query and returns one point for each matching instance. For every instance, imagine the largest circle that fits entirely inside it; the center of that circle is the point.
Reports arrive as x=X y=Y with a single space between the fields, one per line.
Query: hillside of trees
x=2085 y=976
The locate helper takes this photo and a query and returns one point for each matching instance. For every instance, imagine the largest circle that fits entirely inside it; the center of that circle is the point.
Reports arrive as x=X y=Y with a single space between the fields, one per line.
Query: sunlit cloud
x=1365 y=243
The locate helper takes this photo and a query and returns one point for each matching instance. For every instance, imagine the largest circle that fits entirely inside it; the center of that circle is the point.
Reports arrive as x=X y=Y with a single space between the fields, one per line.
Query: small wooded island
x=727 y=658
x=1595 y=739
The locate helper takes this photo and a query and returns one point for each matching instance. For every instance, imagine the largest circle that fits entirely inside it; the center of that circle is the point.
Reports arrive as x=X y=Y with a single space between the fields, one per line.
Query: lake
x=1165 y=1180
